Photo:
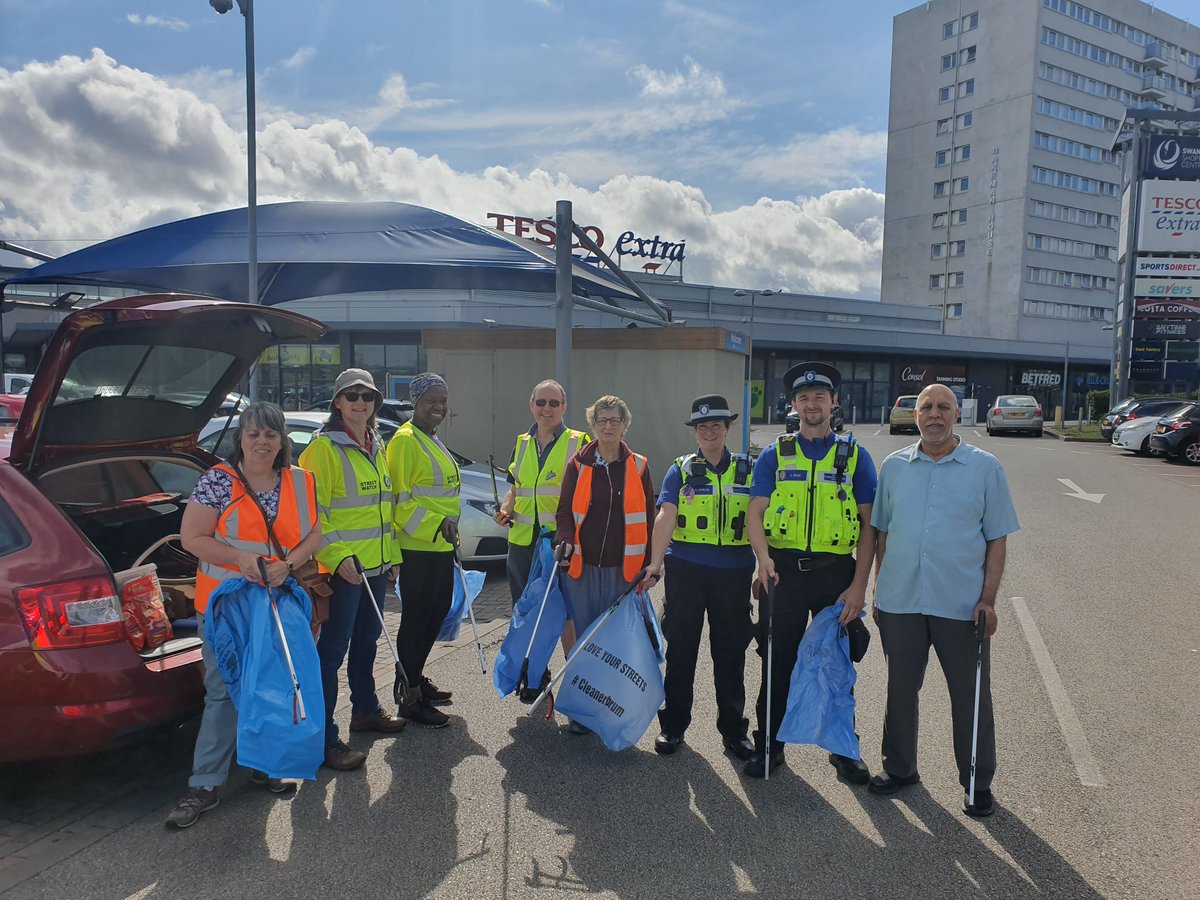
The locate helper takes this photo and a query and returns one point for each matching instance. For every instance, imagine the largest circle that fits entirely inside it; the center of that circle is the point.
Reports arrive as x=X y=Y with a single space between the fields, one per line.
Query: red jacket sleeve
x=564 y=519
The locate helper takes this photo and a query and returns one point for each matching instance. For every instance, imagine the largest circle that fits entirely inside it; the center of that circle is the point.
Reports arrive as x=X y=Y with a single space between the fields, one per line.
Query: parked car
x=16 y=382
x=904 y=414
x=11 y=406
x=398 y=411
x=1135 y=434
x=1133 y=408
x=482 y=539
x=1177 y=436
x=95 y=482
x=1015 y=412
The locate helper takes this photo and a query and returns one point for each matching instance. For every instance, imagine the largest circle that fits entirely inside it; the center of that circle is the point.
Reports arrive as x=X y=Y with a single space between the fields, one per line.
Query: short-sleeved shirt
x=939 y=516
x=719 y=557
x=767 y=465
x=214 y=489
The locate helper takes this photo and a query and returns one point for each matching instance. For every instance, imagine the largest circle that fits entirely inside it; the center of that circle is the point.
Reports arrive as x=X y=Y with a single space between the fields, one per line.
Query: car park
x=16 y=382
x=1134 y=407
x=95 y=481
x=1135 y=434
x=837 y=420
x=1177 y=436
x=1015 y=412
x=904 y=414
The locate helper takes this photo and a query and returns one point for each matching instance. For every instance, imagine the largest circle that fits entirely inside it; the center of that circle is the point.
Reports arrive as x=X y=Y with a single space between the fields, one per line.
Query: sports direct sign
x=1169 y=219
x=1173 y=156
x=1166 y=268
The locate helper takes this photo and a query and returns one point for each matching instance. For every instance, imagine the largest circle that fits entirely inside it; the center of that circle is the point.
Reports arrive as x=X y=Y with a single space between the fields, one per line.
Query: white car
x=1134 y=434
x=482 y=539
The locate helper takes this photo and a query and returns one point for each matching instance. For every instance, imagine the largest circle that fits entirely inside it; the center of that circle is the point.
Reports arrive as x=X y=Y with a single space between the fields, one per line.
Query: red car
x=99 y=470
x=10 y=407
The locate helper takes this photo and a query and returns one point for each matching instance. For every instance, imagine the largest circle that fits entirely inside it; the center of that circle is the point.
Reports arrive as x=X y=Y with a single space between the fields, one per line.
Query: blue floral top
x=215 y=490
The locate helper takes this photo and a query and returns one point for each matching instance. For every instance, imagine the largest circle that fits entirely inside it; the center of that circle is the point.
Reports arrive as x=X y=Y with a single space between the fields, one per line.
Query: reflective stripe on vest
x=441 y=497
x=241 y=526
x=806 y=511
x=363 y=518
x=636 y=521
x=715 y=514
x=536 y=488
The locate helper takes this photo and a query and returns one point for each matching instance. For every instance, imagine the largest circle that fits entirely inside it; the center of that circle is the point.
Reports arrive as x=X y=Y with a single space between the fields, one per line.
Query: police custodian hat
x=812 y=374
x=710 y=408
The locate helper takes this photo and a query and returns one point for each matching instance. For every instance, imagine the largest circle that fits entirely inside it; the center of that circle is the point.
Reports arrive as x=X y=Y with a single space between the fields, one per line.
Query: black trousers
x=798 y=597
x=724 y=594
x=906 y=640
x=426 y=587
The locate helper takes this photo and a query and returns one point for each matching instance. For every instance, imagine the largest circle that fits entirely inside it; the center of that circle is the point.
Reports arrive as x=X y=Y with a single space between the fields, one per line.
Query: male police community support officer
x=810 y=509
x=702 y=510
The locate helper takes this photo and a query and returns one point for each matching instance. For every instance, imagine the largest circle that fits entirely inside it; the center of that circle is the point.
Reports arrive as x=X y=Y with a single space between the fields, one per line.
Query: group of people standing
x=812 y=515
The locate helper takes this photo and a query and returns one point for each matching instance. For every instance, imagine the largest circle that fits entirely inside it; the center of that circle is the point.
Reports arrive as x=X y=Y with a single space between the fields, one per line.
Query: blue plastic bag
x=614 y=685
x=507 y=671
x=458 y=606
x=820 y=707
x=271 y=737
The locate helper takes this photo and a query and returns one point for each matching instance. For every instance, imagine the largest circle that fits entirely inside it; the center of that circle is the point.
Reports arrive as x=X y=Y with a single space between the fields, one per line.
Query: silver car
x=1015 y=412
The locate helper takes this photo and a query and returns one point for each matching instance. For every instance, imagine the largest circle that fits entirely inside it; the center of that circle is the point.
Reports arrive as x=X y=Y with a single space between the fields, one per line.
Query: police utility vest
x=536 y=490
x=712 y=508
x=812 y=508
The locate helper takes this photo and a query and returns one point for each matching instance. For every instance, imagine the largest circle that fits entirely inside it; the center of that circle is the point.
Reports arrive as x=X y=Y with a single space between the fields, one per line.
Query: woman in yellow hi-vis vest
x=425 y=482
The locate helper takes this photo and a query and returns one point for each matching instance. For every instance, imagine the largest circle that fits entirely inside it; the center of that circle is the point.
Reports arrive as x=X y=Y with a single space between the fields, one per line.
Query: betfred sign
x=1169 y=218
x=1166 y=309
x=1161 y=330
x=1173 y=156
x=1170 y=268
x=1040 y=379
x=545 y=232
x=1165 y=287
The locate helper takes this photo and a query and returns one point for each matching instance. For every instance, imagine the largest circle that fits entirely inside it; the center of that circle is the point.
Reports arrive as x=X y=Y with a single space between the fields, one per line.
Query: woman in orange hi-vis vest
x=605 y=513
x=223 y=527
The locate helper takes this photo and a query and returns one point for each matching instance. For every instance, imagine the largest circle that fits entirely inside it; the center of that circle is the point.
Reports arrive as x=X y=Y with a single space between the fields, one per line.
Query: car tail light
x=996 y=411
x=1181 y=424
x=1037 y=411
x=81 y=613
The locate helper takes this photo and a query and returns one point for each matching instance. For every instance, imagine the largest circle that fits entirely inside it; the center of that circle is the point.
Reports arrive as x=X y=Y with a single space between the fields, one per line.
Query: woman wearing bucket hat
x=700 y=537
x=354 y=500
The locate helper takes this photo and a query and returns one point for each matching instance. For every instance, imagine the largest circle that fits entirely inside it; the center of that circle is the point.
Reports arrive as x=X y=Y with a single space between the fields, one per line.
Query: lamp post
x=749 y=364
x=1066 y=363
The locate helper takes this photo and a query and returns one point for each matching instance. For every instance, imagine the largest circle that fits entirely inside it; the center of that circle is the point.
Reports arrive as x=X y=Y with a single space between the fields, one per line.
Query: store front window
x=299 y=376
x=392 y=363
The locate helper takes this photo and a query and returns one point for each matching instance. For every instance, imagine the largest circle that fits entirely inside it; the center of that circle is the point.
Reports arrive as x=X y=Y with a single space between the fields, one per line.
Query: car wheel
x=1038 y=433
x=892 y=429
x=1191 y=452
x=1144 y=450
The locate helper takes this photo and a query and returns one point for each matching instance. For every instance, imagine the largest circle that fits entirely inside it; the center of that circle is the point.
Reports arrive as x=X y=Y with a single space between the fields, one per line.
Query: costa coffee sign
x=545 y=232
x=1167 y=309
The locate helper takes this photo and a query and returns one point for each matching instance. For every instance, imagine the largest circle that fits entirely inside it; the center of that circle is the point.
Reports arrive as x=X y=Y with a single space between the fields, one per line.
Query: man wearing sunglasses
x=535 y=473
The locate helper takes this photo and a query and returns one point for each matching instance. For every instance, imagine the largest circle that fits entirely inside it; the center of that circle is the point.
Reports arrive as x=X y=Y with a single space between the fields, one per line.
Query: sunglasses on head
x=554 y=404
x=355 y=396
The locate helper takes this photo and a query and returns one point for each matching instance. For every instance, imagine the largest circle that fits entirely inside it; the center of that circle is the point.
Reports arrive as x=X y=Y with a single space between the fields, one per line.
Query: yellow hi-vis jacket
x=354 y=501
x=715 y=512
x=812 y=508
x=425 y=481
x=536 y=489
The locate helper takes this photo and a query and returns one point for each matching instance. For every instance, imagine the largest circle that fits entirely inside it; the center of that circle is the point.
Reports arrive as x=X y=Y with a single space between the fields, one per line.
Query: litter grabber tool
x=523 y=679
x=462 y=578
x=582 y=642
x=298 y=713
x=400 y=686
x=770 y=660
x=508 y=523
x=980 y=627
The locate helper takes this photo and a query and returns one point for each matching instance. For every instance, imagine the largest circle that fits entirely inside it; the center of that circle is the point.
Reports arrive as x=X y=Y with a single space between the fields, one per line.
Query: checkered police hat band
x=809 y=378
x=708 y=412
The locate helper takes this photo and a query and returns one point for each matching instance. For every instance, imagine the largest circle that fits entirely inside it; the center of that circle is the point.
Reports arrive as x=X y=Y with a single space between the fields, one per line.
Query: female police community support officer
x=810 y=508
x=710 y=567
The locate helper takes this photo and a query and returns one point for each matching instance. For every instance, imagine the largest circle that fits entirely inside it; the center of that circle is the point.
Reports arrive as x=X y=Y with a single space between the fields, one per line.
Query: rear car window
x=13 y=537
x=1017 y=401
x=183 y=375
x=907 y=403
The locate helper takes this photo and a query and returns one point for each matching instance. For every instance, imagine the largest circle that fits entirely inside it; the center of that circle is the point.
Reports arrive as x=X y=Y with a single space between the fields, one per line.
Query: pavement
x=1094 y=667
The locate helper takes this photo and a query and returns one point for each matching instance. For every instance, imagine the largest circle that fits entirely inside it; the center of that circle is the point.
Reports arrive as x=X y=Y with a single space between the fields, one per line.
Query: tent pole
x=562 y=287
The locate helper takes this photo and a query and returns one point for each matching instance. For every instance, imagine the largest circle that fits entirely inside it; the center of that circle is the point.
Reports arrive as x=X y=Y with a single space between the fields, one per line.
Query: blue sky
x=755 y=130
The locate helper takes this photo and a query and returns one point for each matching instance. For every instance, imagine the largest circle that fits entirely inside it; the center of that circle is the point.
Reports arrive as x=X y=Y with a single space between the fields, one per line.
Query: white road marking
x=1084 y=760
x=877 y=431
x=1084 y=452
x=1180 y=474
x=1078 y=492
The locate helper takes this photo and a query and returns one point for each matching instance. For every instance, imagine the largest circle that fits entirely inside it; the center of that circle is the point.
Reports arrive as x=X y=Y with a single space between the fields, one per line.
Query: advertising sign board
x=1166 y=287
x=1184 y=308
x=1173 y=156
x=1167 y=266
x=1169 y=218
x=1166 y=330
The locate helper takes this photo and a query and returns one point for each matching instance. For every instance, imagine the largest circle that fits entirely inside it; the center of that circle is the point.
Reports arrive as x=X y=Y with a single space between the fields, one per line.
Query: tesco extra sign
x=1169 y=218
x=544 y=231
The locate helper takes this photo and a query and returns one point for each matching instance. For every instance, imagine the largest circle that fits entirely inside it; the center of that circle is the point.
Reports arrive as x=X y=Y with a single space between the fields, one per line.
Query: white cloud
x=816 y=161
x=299 y=59
x=157 y=22
x=94 y=149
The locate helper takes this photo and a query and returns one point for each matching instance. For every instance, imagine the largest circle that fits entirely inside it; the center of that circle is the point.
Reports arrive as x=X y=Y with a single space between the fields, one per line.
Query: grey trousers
x=906 y=641
x=216 y=742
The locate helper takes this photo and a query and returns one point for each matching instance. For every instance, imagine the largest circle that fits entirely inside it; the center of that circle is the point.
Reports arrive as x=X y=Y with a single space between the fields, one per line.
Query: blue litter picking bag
x=614 y=685
x=507 y=670
x=820 y=706
x=458 y=606
x=271 y=737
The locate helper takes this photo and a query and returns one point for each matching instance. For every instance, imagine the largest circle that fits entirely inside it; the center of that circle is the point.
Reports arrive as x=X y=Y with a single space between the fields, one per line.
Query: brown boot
x=342 y=758
x=420 y=711
x=380 y=723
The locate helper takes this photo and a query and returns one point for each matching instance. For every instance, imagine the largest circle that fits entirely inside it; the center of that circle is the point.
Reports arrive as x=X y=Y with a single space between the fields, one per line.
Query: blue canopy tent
x=310 y=248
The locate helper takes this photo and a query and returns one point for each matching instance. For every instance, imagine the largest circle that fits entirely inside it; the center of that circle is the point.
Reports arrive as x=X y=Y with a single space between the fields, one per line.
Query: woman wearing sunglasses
x=604 y=517
x=354 y=501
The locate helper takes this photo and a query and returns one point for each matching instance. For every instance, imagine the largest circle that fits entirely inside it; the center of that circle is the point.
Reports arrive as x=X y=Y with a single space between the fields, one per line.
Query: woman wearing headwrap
x=425 y=482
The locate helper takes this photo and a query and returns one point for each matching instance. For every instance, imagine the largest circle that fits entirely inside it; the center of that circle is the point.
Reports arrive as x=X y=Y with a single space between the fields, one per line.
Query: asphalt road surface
x=1095 y=672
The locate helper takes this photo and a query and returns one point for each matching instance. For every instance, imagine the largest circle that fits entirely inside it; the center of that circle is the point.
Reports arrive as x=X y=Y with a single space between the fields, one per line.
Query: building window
x=948 y=30
x=953 y=310
x=937 y=251
x=959 y=217
x=956 y=279
x=965 y=120
x=940 y=188
x=943 y=126
x=941 y=158
x=936 y=281
x=970 y=22
x=966 y=88
x=969 y=54
x=939 y=220
x=962 y=185
x=964 y=152
x=943 y=94
x=958 y=248
x=947 y=62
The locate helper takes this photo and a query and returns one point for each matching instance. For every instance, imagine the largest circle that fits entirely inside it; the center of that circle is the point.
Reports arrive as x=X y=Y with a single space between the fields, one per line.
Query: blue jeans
x=217 y=739
x=352 y=624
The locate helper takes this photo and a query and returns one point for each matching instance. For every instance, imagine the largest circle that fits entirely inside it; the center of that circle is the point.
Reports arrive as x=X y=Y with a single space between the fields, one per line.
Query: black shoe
x=529 y=694
x=885 y=784
x=422 y=713
x=578 y=728
x=756 y=765
x=740 y=747
x=854 y=771
x=983 y=806
x=666 y=744
x=434 y=694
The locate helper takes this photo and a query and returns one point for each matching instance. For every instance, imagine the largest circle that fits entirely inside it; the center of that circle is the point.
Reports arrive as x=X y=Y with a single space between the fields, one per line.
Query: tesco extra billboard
x=1169 y=218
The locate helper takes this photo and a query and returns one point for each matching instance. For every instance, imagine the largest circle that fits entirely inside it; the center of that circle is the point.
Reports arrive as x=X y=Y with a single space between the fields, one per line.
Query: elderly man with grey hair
x=943 y=513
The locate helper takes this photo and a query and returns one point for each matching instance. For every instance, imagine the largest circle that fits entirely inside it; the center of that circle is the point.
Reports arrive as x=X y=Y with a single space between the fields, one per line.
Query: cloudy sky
x=756 y=131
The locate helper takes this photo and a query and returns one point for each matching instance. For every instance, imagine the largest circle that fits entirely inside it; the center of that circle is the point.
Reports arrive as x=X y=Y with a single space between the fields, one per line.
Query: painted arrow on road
x=1078 y=492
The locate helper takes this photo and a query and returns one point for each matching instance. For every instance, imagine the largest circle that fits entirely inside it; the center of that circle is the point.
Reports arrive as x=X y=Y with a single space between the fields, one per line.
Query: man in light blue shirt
x=942 y=512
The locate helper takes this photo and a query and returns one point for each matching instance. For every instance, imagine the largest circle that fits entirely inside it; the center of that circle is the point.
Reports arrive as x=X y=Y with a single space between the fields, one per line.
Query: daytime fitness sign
x=1169 y=219
x=543 y=231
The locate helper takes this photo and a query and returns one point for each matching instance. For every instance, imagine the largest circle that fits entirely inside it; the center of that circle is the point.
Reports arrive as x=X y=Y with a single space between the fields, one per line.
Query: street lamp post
x=749 y=364
x=1066 y=364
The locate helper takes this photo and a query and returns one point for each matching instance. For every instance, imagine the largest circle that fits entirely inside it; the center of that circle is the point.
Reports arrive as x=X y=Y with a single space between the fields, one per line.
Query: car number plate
x=1018 y=415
